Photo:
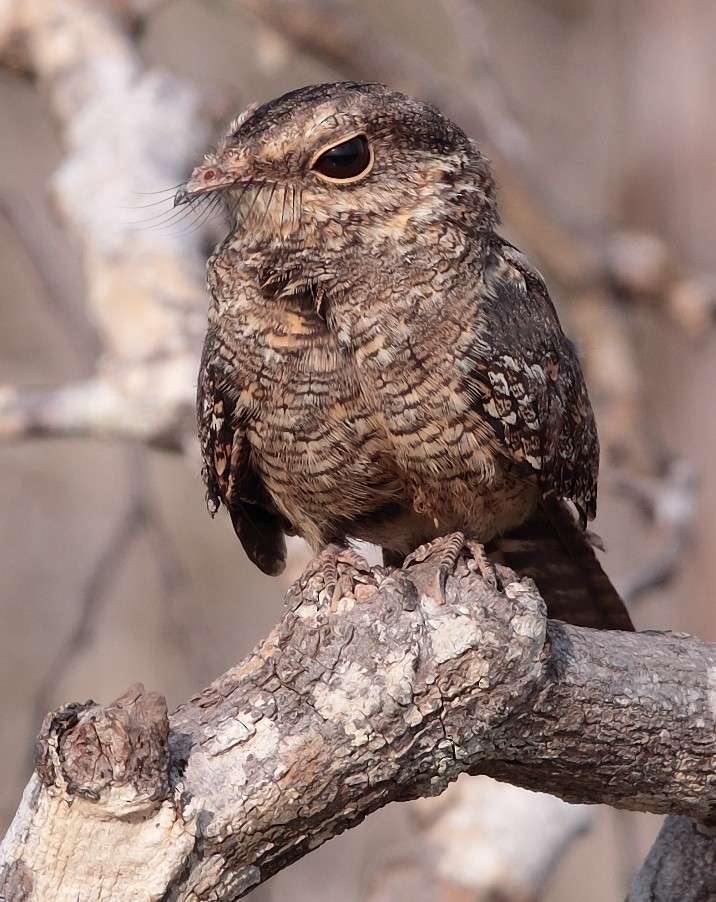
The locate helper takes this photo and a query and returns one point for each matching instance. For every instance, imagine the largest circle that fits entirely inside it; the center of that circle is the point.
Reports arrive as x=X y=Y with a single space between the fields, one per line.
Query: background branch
x=128 y=129
x=681 y=864
x=478 y=838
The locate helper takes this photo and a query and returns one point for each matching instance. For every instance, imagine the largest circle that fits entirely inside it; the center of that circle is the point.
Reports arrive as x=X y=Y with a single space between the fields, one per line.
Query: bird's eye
x=345 y=162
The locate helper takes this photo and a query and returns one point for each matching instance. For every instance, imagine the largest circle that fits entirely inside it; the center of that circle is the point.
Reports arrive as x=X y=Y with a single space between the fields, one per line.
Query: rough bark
x=379 y=695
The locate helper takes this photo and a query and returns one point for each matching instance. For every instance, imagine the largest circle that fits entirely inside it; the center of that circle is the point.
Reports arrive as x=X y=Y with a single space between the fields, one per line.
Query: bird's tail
x=552 y=549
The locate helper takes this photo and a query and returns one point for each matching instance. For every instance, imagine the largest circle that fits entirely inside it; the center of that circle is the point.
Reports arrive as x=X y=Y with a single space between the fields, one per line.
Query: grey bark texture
x=378 y=694
x=681 y=865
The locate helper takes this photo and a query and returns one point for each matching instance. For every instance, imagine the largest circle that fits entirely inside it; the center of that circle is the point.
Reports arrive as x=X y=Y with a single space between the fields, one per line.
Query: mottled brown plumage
x=379 y=363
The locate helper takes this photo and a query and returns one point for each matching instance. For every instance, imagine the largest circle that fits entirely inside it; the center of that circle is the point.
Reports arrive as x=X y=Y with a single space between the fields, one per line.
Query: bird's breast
x=317 y=445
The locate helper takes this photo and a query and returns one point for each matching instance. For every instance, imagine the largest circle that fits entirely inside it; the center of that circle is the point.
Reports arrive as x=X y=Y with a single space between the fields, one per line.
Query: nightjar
x=379 y=363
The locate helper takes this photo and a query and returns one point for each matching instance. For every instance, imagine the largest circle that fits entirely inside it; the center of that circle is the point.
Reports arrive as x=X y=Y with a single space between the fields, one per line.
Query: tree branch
x=141 y=289
x=382 y=695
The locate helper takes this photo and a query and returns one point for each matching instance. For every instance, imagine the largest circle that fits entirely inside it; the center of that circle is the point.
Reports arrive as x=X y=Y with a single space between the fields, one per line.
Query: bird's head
x=348 y=161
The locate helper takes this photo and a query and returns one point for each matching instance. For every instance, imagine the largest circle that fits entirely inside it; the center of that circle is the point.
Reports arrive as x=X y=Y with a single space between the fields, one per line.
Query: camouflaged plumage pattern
x=379 y=363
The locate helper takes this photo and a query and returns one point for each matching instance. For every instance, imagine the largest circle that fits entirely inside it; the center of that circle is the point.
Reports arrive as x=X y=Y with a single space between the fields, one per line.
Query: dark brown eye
x=345 y=162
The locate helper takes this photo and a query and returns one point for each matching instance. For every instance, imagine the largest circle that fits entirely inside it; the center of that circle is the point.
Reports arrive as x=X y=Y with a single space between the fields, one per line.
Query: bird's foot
x=449 y=548
x=337 y=581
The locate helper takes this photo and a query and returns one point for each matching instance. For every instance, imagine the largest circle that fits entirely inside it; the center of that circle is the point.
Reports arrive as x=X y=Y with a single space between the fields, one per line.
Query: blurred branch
x=644 y=271
x=138 y=523
x=680 y=865
x=69 y=316
x=670 y=504
x=14 y=57
x=476 y=70
x=480 y=840
x=144 y=290
x=382 y=694
x=127 y=130
x=15 y=15
x=104 y=570
x=151 y=403
x=343 y=36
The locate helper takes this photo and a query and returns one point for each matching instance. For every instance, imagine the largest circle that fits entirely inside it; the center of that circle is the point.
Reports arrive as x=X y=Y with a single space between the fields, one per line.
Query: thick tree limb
x=383 y=695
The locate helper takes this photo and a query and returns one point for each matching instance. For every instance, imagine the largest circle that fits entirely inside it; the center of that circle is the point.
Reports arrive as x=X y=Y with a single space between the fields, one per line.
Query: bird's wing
x=528 y=384
x=229 y=476
x=532 y=392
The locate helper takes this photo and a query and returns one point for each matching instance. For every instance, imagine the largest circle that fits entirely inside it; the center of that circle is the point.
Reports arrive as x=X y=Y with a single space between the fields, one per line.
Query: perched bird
x=379 y=363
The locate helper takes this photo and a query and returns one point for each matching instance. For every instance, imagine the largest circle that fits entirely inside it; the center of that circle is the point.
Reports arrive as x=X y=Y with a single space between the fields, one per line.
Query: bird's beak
x=205 y=179
x=181 y=197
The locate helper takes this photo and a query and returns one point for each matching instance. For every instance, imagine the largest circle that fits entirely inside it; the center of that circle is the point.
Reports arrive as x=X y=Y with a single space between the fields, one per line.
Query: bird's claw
x=325 y=566
x=449 y=548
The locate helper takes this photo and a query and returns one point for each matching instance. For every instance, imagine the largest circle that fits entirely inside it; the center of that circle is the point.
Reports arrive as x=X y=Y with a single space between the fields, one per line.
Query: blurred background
x=599 y=116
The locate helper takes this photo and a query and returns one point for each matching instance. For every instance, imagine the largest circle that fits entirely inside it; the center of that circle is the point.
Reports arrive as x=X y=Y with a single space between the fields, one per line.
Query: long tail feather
x=558 y=555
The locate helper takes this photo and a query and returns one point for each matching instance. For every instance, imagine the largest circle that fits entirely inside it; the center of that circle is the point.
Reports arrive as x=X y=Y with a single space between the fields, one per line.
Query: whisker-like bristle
x=159 y=217
x=209 y=211
x=269 y=201
x=154 y=203
x=258 y=186
x=236 y=206
x=283 y=205
x=172 y=189
x=194 y=212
